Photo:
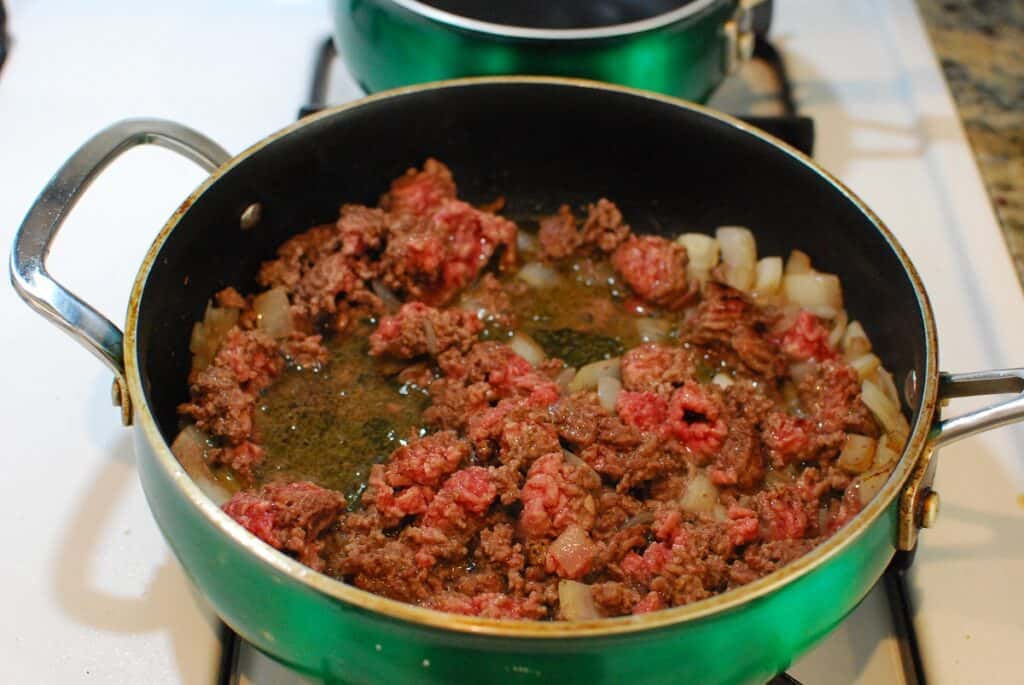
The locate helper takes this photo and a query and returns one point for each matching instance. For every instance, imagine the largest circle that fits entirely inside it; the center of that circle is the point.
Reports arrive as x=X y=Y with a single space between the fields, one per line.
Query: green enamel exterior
x=341 y=643
x=386 y=46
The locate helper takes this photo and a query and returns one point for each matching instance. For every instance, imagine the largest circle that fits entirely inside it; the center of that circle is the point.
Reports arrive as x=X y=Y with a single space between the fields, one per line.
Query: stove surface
x=95 y=593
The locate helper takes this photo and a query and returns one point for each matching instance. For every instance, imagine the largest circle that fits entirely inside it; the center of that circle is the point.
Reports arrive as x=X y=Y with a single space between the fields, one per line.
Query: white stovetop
x=89 y=589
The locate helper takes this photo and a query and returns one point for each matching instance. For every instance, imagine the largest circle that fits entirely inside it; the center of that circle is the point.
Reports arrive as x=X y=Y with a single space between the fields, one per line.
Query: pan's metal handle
x=919 y=504
x=35 y=236
x=997 y=382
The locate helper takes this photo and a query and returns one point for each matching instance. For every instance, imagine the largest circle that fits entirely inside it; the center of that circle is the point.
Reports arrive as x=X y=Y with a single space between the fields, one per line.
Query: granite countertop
x=980 y=44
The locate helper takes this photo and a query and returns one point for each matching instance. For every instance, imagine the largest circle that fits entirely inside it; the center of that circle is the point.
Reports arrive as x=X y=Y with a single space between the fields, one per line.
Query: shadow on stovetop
x=157 y=607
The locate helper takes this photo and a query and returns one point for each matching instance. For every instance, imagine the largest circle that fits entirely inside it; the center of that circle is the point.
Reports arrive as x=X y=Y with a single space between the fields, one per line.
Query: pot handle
x=35 y=236
x=996 y=382
x=919 y=504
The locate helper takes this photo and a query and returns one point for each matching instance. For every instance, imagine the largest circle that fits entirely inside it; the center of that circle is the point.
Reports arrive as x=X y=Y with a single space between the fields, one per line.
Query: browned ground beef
x=515 y=483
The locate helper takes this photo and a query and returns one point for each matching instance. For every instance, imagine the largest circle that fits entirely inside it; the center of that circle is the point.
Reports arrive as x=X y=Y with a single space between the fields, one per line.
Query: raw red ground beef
x=682 y=488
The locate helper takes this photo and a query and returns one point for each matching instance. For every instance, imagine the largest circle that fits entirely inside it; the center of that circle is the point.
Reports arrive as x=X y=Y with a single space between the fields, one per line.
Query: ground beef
x=224 y=394
x=291 y=517
x=419 y=329
x=656 y=368
x=513 y=483
x=655 y=268
x=436 y=256
x=728 y=319
x=417 y=192
x=558 y=235
x=604 y=227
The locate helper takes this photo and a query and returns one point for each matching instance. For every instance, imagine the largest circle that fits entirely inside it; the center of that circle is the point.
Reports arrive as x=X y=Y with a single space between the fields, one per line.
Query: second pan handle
x=35 y=237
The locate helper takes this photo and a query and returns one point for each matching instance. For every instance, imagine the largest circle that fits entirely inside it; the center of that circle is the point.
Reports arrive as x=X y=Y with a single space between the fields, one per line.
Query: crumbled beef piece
x=555 y=495
x=432 y=259
x=655 y=268
x=417 y=192
x=525 y=440
x=219 y=405
x=223 y=395
x=453 y=402
x=645 y=410
x=304 y=350
x=324 y=284
x=613 y=511
x=740 y=461
x=831 y=396
x=786 y=437
x=467 y=492
x=695 y=419
x=488 y=605
x=807 y=339
x=391 y=505
x=229 y=297
x=614 y=598
x=297 y=254
x=762 y=558
x=291 y=517
x=426 y=461
x=726 y=317
x=656 y=368
x=652 y=601
x=604 y=227
x=362 y=230
x=558 y=235
x=419 y=329
x=491 y=300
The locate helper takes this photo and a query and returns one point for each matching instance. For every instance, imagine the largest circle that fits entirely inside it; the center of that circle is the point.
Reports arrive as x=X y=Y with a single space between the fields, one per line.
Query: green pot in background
x=685 y=51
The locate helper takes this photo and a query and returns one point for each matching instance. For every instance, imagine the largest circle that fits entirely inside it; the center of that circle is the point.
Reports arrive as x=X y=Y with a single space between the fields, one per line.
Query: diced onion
x=608 y=389
x=575 y=601
x=722 y=380
x=190 y=449
x=858 y=453
x=573 y=551
x=768 y=276
x=564 y=379
x=538 y=275
x=702 y=251
x=526 y=242
x=209 y=334
x=640 y=518
x=653 y=330
x=855 y=341
x=571 y=458
x=527 y=348
x=274 y=313
x=885 y=410
x=818 y=292
x=798 y=263
x=838 y=328
x=739 y=255
x=391 y=302
x=887 y=384
x=889 y=449
x=701 y=495
x=588 y=376
x=865 y=365
x=869 y=483
x=801 y=370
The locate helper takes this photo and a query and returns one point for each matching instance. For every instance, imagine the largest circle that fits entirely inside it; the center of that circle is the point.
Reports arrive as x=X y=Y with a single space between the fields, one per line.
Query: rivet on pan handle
x=37 y=232
x=913 y=509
